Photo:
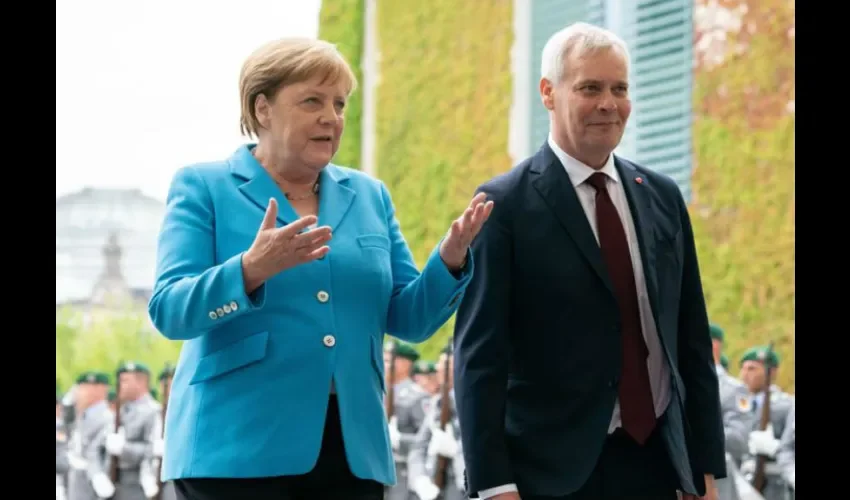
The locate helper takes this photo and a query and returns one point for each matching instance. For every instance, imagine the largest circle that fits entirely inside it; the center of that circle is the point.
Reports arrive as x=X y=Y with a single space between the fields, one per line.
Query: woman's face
x=304 y=122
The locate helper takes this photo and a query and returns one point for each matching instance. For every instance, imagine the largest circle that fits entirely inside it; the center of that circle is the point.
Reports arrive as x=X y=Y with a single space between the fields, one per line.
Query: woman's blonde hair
x=284 y=62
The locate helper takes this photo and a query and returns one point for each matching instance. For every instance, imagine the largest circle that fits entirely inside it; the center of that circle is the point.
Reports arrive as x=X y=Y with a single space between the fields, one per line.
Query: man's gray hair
x=582 y=38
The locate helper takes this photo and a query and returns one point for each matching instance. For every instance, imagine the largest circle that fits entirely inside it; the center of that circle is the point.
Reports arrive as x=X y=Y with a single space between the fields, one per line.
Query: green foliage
x=342 y=22
x=444 y=104
x=107 y=342
x=743 y=206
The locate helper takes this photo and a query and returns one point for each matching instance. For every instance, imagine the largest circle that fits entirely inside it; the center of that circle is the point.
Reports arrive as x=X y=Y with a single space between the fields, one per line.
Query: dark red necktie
x=637 y=409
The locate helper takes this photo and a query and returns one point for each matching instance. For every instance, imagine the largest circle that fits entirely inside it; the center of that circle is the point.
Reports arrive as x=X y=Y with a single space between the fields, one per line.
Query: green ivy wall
x=341 y=22
x=743 y=183
x=444 y=98
x=443 y=105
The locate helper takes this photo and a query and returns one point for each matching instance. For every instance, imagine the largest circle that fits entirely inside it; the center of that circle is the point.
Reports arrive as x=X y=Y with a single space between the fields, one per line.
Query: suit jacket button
x=329 y=340
x=322 y=296
x=219 y=312
x=234 y=306
x=213 y=315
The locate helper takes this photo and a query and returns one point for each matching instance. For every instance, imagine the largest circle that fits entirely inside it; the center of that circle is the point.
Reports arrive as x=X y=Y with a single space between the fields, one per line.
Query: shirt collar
x=578 y=171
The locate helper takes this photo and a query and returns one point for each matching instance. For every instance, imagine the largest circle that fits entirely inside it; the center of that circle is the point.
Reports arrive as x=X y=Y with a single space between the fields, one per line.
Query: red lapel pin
x=639 y=180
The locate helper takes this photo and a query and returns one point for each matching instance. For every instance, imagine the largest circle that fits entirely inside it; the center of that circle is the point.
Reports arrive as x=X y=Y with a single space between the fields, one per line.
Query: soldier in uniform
x=88 y=478
x=168 y=491
x=410 y=403
x=755 y=364
x=425 y=374
x=786 y=456
x=735 y=425
x=61 y=450
x=432 y=442
x=133 y=442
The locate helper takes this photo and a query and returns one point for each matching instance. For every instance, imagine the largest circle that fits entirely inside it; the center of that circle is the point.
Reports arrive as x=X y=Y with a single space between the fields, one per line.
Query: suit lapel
x=554 y=186
x=258 y=186
x=335 y=197
x=638 y=193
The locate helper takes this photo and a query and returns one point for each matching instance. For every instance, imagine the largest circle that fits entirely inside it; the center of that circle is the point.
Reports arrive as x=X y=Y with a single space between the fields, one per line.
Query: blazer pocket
x=378 y=362
x=374 y=241
x=237 y=355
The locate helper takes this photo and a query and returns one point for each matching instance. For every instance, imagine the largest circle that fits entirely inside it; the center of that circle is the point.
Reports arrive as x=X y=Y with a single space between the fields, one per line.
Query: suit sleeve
x=421 y=302
x=417 y=456
x=786 y=456
x=94 y=453
x=482 y=355
x=696 y=364
x=135 y=452
x=189 y=285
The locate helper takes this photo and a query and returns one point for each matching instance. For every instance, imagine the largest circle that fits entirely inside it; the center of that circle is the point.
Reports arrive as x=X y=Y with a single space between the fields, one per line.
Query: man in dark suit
x=584 y=365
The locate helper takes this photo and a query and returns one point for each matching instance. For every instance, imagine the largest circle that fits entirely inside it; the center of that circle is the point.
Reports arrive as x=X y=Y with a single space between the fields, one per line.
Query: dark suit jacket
x=537 y=357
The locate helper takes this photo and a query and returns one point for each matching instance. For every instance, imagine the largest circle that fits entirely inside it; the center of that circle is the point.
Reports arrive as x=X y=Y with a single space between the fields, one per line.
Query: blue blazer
x=251 y=388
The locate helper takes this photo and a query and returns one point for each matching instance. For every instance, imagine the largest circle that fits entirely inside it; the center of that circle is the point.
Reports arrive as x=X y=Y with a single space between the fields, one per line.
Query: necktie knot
x=598 y=181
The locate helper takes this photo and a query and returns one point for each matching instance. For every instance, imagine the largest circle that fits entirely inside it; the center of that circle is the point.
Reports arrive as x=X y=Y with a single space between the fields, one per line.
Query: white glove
x=763 y=442
x=115 y=442
x=425 y=489
x=77 y=462
x=149 y=486
x=395 y=435
x=443 y=442
x=103 y=487
x=60 y=492
x=158 y=447
x=748 y=467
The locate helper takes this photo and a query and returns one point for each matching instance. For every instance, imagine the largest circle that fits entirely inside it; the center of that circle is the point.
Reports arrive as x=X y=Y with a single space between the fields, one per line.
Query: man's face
x=754 y=375
x=590 y=106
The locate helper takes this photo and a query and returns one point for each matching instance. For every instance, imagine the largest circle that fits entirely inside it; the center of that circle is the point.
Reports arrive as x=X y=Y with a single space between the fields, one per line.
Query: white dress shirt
x=659 y=370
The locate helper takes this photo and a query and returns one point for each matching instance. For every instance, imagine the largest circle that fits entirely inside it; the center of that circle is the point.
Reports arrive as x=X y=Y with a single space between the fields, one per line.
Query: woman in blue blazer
x=282 y=272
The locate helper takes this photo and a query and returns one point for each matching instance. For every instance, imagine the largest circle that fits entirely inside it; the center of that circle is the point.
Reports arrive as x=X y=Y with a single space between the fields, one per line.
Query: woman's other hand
x=463 y=230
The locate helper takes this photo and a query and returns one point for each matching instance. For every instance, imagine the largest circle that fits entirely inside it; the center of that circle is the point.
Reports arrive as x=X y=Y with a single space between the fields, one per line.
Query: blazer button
x=219 y=312
x=329 y=340
x=322 y=296
x=234 y=306
x=213 y=315
x=227 y=308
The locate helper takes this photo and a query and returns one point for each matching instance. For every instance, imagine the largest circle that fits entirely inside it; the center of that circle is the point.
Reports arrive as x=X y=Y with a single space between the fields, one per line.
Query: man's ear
x=546 y=94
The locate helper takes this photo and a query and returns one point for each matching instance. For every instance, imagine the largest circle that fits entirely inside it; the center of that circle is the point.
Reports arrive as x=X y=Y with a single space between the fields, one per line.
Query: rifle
x=445 y=416
x=759 y=477
x=113 y=460
x=166 y=392
x=389 y=401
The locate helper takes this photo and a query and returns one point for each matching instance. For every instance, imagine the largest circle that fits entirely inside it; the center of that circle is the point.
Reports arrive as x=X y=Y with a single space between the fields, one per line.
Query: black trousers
x=330 y=479
x=628 y=471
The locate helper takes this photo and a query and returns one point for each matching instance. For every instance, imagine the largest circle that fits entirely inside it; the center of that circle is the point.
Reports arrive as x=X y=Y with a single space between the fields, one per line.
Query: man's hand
x=710 y=491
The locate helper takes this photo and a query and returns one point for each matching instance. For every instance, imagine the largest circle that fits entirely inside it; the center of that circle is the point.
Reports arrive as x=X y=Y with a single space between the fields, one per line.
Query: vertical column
x=371 y=58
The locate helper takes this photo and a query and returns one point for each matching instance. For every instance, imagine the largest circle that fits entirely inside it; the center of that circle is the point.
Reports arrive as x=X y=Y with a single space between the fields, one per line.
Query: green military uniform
x=133 y=443
x=780 y=407
x=88 y=477
x=410 y=402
